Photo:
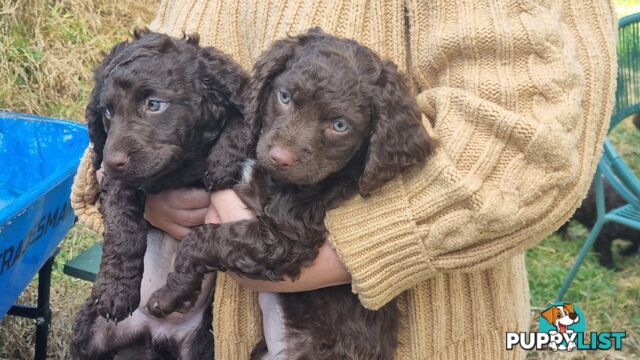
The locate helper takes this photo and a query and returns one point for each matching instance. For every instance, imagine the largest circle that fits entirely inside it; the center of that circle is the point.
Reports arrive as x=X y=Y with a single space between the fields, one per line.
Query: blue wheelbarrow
x=38 y=159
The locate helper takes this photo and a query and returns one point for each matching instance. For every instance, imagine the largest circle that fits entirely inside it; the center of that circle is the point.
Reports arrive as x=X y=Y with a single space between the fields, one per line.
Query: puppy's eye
x=284 y=96
x=107 y=112
x=156 y=106
x=340 y=125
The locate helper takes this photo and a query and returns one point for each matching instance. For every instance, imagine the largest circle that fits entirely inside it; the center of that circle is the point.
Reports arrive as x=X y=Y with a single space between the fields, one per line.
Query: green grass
x=626 y=140
x=49 y=48
x=607 y=297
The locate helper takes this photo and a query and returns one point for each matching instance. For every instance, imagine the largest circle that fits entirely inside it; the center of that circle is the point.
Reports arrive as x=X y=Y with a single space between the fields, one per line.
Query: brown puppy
x=162 y=111
x=586 y=214
x=330 y=119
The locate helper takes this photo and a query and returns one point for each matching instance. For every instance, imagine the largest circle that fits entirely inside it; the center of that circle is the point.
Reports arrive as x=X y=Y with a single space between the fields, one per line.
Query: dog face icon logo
x=563 y=319
x=561 y=316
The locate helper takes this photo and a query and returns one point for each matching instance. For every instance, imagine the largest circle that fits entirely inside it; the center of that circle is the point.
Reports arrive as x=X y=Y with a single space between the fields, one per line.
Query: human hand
x=226 y=206
x=176 y=210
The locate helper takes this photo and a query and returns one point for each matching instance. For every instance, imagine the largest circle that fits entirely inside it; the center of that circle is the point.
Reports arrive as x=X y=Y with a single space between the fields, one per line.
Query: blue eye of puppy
x=284 y=96
x=154 y=105
x=339 y=125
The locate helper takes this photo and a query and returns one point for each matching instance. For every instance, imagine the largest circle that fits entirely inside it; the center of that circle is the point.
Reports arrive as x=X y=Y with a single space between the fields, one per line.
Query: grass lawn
x=48 y=50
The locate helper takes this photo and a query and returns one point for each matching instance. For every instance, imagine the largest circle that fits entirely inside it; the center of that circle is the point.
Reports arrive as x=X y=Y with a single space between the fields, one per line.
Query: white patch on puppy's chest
x=273 y=325
x=247 y=171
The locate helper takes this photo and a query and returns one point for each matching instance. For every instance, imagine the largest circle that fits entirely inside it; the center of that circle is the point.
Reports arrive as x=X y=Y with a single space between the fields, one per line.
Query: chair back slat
x=619 y=175
x=628 y=86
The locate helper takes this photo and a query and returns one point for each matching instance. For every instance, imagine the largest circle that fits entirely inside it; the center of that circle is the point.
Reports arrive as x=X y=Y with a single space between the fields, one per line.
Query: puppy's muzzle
x=117 y=161
x=282 y=157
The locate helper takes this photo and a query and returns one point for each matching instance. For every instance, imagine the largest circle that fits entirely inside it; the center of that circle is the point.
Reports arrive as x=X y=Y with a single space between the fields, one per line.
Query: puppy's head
x=157 y=102
x=317 y=103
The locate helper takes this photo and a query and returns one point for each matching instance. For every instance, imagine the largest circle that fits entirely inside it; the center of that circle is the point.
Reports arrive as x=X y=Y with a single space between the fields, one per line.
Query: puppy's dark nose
x=281 y=156
x=117 y=160
x=573 y=316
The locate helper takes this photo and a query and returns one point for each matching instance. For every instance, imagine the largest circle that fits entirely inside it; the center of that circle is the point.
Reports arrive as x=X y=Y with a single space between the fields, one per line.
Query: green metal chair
x=611 y=165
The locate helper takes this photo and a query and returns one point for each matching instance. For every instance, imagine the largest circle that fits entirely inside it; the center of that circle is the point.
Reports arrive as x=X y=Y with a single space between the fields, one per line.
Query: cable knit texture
x=84 y=194
x=518 y=94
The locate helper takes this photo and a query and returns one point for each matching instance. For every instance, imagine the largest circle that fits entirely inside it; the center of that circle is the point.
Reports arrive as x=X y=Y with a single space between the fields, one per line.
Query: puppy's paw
x=165 y=301
x=209 y=180
x=115 y=300
x=218 y=178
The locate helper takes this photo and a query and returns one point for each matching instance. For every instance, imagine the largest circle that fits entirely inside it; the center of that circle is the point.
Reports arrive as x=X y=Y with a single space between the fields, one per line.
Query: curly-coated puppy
x=587 y=214
x=162 y=111
x=330 y=119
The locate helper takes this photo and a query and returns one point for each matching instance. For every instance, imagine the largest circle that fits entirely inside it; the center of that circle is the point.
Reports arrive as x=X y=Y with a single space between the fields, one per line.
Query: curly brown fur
x=156 y=118
x=328 y=119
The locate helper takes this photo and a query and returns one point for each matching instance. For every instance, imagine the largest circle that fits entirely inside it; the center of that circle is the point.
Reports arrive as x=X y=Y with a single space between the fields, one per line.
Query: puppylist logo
x=562 y=327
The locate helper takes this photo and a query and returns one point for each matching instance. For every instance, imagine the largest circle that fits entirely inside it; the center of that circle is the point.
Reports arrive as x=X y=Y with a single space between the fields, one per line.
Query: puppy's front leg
x=252 y=248
x=117 y=288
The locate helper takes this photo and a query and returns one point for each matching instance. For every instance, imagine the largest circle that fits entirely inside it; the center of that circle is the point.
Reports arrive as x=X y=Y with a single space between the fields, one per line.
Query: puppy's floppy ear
x=270 y=64
x=549 y=315
x=140 y=32
x=221 y=81
x=93 y=112
x=398 y=139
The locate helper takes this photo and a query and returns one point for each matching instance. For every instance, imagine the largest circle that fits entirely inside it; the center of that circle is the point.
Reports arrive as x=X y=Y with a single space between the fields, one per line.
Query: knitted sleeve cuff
x=84 y=194
x=377 y=240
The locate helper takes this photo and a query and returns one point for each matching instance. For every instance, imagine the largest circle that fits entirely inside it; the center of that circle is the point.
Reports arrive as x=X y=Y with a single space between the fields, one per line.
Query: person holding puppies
x=518 y=95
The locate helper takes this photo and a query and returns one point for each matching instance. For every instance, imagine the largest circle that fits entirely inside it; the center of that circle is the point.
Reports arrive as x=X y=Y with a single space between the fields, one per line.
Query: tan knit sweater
x=520 y=92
